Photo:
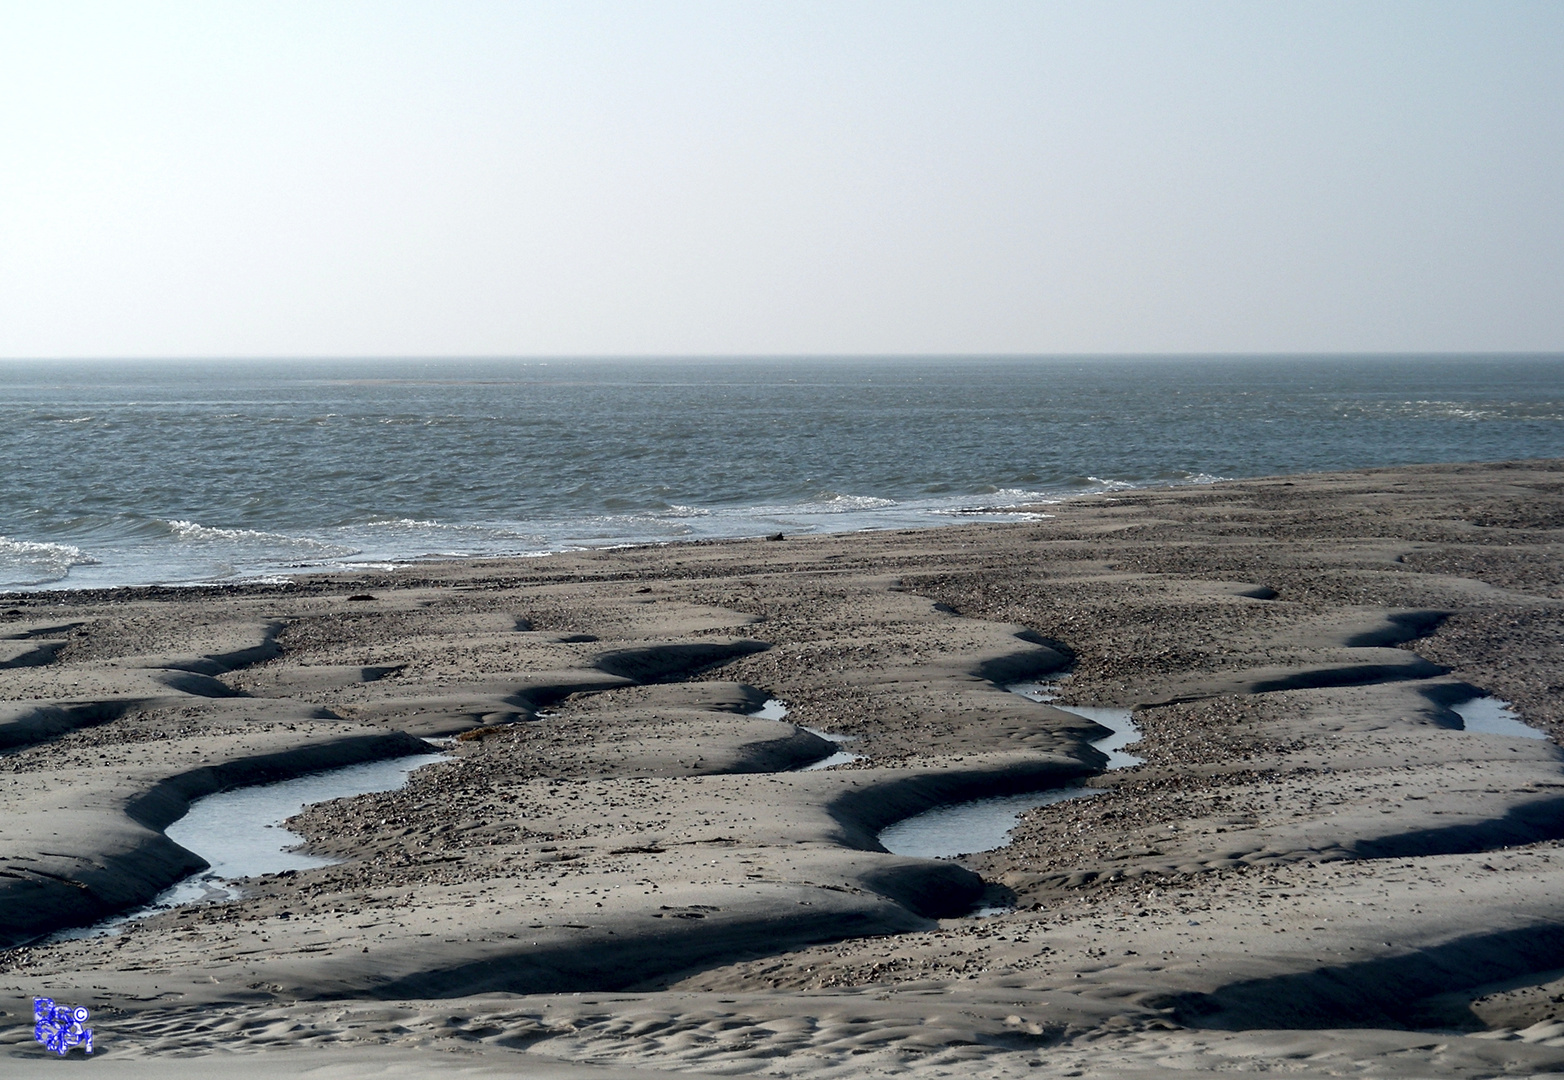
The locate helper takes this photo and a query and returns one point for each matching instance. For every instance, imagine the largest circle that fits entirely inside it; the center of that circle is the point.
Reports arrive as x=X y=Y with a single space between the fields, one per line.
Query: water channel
x=1494 y=716
x=774 y=709
x=240 y=833
x=985 y=824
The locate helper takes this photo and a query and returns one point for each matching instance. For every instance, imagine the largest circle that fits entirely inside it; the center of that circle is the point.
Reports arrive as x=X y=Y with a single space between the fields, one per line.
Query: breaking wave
x=194 y=532
x=30 y=562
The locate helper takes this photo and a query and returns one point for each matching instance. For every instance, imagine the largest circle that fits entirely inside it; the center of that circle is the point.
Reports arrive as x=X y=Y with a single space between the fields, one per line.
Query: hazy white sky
x=383 y=178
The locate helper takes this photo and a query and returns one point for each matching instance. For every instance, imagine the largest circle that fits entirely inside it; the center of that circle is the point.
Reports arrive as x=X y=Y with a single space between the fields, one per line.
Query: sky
x=455 y=178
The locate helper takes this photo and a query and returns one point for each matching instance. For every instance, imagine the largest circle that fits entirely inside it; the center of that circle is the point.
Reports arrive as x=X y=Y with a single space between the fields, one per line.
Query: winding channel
x=947 y=832
x=240 y=833
x=774 y=709
x=985 y=824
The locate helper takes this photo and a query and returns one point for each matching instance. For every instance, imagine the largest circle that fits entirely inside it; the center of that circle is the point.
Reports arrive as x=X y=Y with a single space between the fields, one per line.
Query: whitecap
x=410 y=523
x=195 y=532
x=840 y=503
x=1026 y=495
x=34 y=562
x=994 y=513
x=1461 y=411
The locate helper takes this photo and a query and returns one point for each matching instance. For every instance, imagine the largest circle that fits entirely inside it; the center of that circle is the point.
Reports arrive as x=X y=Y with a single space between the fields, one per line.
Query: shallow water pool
x=776 y=710
x=985 y=824
x=963 y=828
x=240 y=832
x=841 y=757
x=1494 y=716
x=773 y=709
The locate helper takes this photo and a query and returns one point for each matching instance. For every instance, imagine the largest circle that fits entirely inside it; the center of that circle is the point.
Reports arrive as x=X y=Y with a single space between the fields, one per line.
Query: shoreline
x=918 y=517
x=1026 y=512
x=616 y=821
x=282 y=577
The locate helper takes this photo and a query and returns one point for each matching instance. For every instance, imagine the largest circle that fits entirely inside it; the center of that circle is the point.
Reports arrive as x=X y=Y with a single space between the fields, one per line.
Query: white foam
x=835 y=502
x=194 y=531
x=33 y=562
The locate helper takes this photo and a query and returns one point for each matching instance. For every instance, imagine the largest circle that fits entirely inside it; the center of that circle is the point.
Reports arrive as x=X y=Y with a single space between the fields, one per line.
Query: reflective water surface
x=984 y=824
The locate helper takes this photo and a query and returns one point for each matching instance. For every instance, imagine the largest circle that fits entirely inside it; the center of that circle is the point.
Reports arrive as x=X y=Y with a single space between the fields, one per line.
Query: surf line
x=965 y=828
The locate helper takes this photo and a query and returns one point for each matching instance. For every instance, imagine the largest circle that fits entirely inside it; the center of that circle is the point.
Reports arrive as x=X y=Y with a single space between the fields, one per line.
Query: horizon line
x=1539 y=354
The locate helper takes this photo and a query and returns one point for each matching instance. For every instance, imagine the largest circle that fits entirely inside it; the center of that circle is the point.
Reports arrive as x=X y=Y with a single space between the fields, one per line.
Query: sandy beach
x=622 y=871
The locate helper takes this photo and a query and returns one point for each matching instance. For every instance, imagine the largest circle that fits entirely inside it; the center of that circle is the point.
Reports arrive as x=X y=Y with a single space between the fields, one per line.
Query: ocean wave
x=410 y=523
x=1013 y=503
x=194 y=531
x=839 y=503
x=1015 y=495
x=993 y=513
x=1452 y=410
x=1111 y=485
x=1462 y=411
x=478 y=529
x=32 y=562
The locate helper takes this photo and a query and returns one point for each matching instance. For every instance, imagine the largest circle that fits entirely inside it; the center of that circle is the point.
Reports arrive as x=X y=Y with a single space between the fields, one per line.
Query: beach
x=622 y=869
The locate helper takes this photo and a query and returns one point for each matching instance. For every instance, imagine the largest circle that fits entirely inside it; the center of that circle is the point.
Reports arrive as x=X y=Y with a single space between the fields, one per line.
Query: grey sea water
x=134 y=472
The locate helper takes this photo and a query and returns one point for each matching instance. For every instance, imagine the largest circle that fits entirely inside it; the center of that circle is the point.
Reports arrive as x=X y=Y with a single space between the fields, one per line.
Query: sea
x=189 y=473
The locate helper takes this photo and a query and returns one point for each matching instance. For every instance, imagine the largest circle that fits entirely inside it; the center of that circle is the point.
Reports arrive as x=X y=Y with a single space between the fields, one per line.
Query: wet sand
x=622 y=872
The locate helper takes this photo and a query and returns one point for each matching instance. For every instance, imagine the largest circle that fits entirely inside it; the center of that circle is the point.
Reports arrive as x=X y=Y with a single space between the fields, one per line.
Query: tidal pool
x=1494 y=716
x=771 y=710
x=984 y=824
x=775 y=710
x=240 y=832
x=841 y=757
x=963 y=828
